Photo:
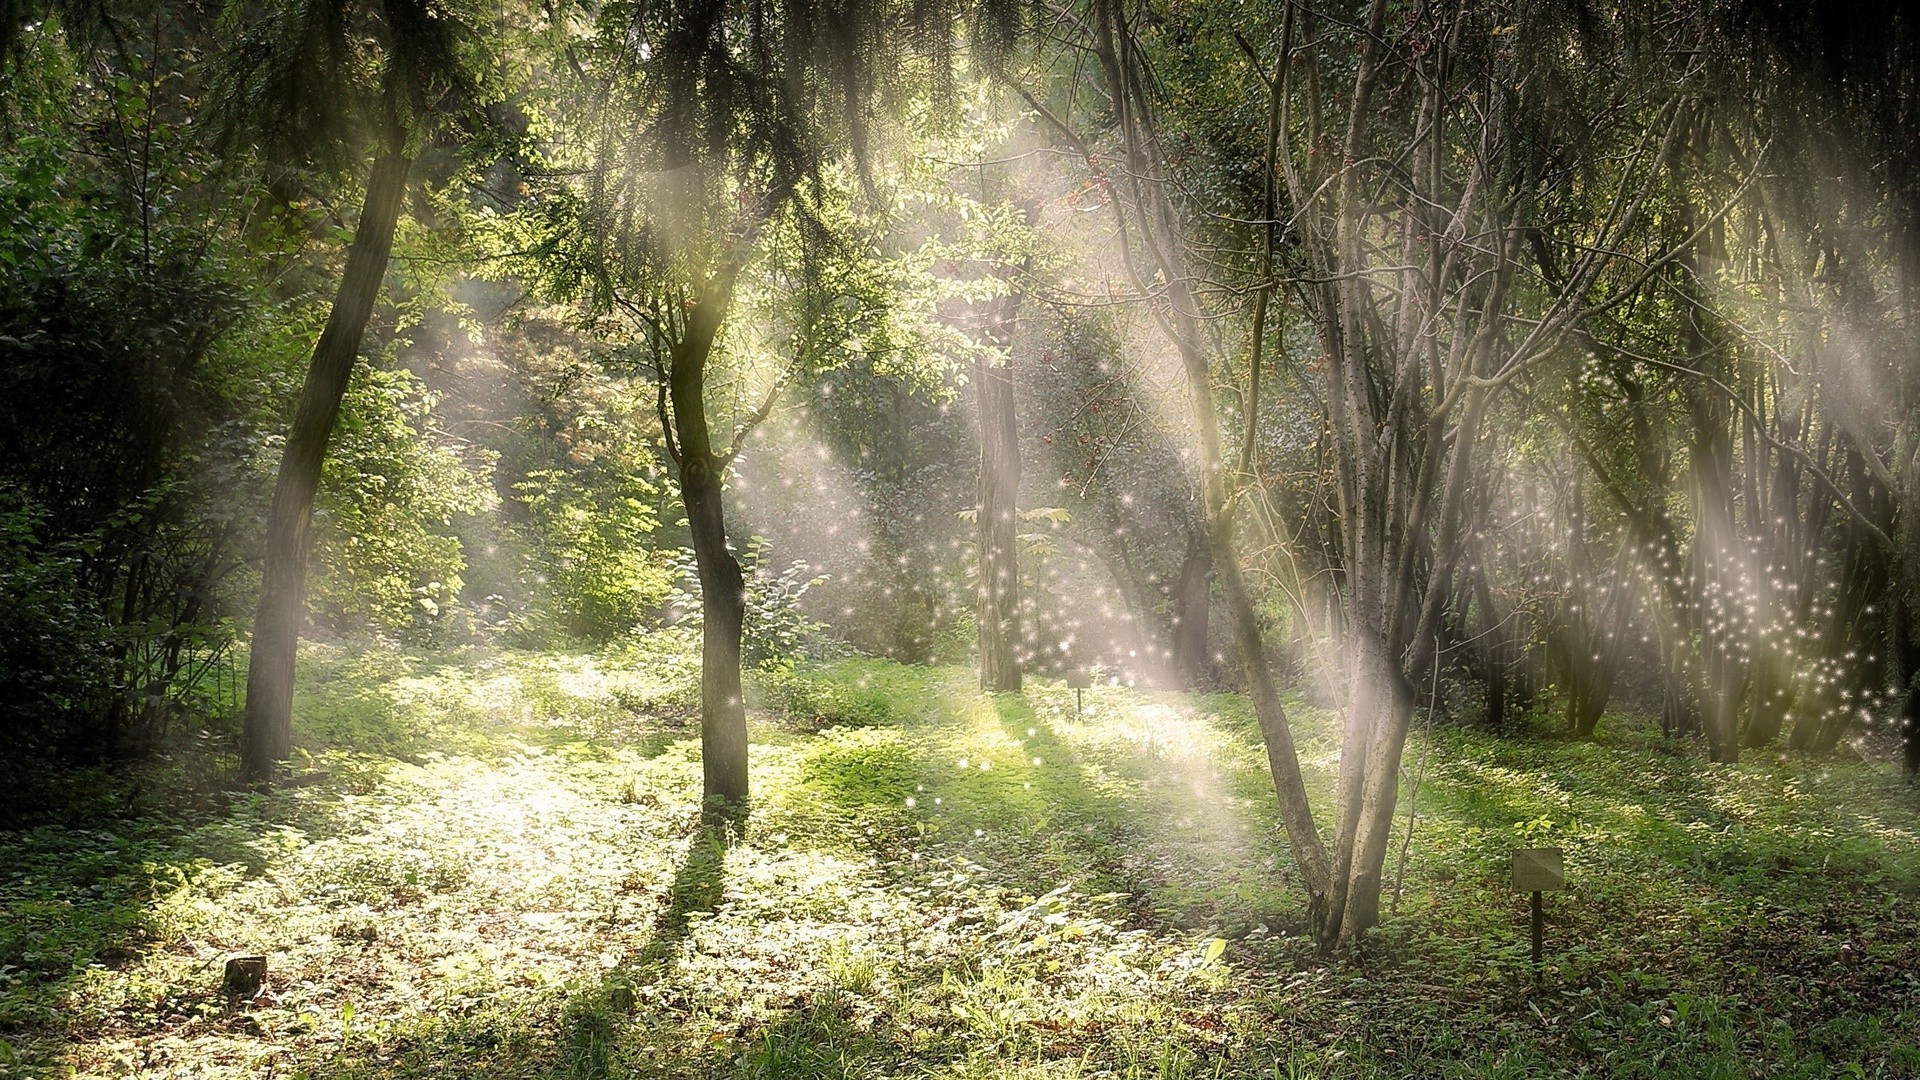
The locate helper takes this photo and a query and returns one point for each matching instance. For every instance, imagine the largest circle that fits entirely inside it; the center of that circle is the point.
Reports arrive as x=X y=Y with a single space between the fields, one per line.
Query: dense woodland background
x=1522 y=396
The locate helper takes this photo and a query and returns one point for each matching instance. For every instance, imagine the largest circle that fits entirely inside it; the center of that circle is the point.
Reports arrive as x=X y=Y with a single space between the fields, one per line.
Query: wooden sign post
x=1080 y=679
x=1537 y=870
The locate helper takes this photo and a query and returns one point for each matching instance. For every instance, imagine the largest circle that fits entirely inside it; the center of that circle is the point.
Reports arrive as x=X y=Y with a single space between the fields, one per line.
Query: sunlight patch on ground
x=1109 y=896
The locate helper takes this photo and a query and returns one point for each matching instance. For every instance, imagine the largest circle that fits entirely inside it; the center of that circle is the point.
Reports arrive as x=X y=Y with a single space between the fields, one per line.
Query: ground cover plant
x=491 y=864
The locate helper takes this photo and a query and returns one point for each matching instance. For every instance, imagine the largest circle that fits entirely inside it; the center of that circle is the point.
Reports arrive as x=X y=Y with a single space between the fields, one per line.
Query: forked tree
x=714 y=125
x=1409 y=213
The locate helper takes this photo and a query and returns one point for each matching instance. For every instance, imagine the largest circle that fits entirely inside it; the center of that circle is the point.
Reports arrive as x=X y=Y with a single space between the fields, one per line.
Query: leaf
x=1213 y=950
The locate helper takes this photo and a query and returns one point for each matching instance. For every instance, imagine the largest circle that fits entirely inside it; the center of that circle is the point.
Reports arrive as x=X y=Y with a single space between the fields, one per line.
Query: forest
x=959 y=538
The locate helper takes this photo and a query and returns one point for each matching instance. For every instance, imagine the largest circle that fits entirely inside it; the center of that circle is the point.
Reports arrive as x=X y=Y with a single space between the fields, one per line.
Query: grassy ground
x=491 y=868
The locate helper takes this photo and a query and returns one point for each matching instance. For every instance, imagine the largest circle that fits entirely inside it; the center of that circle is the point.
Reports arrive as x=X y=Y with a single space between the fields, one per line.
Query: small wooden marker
x=244 y=975
x=1080 y=679
x=1537 y=870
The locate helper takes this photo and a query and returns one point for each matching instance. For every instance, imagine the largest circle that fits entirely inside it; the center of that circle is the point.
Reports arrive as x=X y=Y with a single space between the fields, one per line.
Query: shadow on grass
x=595 y=1028
x=82 y=896
x=698 y=884
x=1002 y=781
x=1061 y=797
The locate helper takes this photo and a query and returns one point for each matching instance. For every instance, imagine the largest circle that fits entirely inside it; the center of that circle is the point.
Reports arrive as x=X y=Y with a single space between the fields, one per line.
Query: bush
x=387 y=555
x=55 y=666
x=123 y=494
x=811 y=701
x=604 y=579
x=776 y=633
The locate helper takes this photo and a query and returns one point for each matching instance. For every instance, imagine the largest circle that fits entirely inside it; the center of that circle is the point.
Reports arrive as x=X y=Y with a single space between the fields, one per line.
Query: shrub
x=55 y=667
x=776 y=633
x=810 y=701
x=604 y=579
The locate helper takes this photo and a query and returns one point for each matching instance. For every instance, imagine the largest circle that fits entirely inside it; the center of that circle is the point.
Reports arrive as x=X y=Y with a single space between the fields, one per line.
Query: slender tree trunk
x=1276 y=733
x=1387 y=712
x=1151 y=219
x=1906 y=659
x=998 y=611
x=1768 y=707
x=266 y=732
x=1191 y=604
x=1493 y=652
x=723 y=714
x=723 y=607
x=1589 y=698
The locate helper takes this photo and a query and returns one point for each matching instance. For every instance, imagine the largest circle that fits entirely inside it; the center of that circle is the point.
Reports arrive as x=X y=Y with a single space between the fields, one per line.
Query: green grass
x=492 y=867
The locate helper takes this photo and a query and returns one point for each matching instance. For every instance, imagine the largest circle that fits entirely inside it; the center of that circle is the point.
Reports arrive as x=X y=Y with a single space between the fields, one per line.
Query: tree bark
x=723 y=608
x=1191 y=603
x=723 y=714
x=1494 y=652
x=266 y=731
x=998 y=608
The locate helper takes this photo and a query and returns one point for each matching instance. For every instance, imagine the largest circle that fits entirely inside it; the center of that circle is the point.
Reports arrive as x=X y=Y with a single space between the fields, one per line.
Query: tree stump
x=244 y=976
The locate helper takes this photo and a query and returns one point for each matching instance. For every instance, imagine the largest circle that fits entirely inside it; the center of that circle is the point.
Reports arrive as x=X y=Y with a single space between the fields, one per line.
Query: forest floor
x=490 y=866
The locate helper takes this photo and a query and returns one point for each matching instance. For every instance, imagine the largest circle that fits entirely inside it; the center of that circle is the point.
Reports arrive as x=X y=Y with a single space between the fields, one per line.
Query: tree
x=312 y=83
x=1410 y=211
x=997 y=611
x=717 y=124
x=123 y=405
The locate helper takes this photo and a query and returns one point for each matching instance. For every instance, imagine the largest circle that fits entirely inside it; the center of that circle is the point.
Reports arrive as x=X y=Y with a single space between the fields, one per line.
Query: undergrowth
x=489 y=864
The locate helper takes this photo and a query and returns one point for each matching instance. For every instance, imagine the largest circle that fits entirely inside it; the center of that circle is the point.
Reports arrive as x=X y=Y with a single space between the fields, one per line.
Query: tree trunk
x=998 y=609
x=1276 y=733
x=1589 y=699
x=1191 y=605
x=723 y=714
x=1283 y=761
x=1768 y=705
x=1906 y=658
x=1386 y=712
x=1493 y=652
x=723 y=607
x=266 y=731
x=1151 y=215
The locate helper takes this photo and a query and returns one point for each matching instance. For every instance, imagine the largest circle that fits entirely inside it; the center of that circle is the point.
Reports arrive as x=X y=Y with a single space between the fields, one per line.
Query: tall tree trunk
x=1493 y=652
x=1151 y=219
x=1385 y=709
x=723 y=608
x=1906 y=659
x=1191 y=603
x=723 y=594
x=1276 y=732
x=266 y=730
x=998 y=610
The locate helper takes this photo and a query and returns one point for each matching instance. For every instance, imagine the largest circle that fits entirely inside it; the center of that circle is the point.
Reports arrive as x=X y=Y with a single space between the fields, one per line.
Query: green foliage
x=390 y=493
x=862 y=769
x=124 y=435
x=814 y=698
x=987 y=886
x=605 y=577
x=776 y=632
x=311 y=82
x=55 y=662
